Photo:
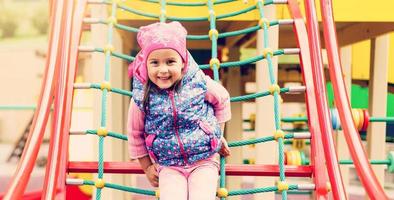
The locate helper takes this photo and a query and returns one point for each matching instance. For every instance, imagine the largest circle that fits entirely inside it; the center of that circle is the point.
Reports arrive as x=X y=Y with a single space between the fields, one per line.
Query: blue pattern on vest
x=180 y=125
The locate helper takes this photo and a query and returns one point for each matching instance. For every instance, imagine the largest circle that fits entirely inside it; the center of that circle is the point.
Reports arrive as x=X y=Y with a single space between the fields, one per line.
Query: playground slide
x=322 y=145
x=60 y=57
x=55 y=176
x=25 y=166
x=374 y=190
x=364 y=170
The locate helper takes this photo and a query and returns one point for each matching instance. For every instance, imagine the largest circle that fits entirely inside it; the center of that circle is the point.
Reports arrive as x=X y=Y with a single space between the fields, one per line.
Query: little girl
x=176 y=116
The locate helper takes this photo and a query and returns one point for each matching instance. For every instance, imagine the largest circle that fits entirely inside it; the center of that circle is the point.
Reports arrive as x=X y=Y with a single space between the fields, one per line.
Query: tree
x=40 y=20
x=8 y=22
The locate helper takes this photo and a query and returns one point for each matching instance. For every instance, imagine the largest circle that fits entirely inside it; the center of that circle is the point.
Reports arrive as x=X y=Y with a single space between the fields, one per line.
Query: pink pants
x=197 y=182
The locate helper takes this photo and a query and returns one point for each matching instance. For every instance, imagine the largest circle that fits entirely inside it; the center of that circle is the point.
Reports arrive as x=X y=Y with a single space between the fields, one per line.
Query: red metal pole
x=326 y=131
x=363 y=168
x=231 y=169
x=58 y=154
x=317 y=158
x=52 y=168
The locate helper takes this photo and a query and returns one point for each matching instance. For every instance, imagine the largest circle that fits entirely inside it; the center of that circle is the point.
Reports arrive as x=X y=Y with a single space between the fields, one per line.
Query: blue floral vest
x=180 y=125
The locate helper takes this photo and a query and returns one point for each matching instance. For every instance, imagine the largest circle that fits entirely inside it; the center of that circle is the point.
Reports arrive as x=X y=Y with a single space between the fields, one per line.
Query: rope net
x=279 y=136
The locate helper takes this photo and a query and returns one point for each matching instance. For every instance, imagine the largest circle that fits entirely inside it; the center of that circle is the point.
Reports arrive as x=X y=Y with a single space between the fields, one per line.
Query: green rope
x=373 y=162
x=100 y=165
x=255 y=95
x=276 y=100
x=203 y=37
x=137 y=12
x=101 y=157
x=214 y=50
x=114 y=90
x=215 y=67
x=233 y=99
x=371 y=119
x=118 y=55
x=191 y=3
x=259 y=190
x=350 y=162
x=231 y=144
x=258 y=140
x=111 y=134
x=243 y=62
x=122 y=92
x=222 y=181
x=363 y=137
x=104 y=98
x=381 y=119
x=126 y=28
x=17 y=107
x=204 y=66
x=294 y=119
x=163 y=11
x=150 y=15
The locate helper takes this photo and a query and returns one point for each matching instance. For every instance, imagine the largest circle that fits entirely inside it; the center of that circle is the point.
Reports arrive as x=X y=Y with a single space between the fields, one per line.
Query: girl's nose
x=163 y=69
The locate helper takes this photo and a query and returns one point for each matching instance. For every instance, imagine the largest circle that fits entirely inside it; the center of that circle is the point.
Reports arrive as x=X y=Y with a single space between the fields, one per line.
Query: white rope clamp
x=289 y=51
x=82 y=85
x=91 y=20
x=296 y=89
x=96 y=2
x=77 y=133
x=86 y=49
x=163 y=13
x=74 y=181
x=286 y=21
x=280 y=1
x=302 y=135
x=211 y=13
x=306 y=186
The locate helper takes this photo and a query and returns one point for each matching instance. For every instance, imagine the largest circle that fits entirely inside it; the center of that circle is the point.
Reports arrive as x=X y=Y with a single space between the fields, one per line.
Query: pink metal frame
x=55 y=176
x=318 y=115
x=326 y=130
x=363 y=168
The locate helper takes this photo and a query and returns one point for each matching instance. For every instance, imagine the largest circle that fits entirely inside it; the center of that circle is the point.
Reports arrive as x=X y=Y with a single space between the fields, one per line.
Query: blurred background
x=23 y=46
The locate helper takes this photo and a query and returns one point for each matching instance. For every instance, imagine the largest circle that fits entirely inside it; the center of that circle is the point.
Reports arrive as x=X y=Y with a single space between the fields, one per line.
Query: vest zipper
x=176 y=126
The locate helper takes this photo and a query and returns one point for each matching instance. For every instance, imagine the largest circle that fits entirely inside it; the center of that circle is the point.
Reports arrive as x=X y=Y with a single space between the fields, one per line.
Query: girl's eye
x=153 y=62
x=170 y=62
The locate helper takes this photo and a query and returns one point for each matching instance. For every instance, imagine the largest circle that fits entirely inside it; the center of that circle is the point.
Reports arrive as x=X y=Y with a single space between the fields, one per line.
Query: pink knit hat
x=158 y=36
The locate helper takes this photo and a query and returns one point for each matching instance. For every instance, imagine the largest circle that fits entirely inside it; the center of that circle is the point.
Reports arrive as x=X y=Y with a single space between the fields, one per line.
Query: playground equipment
x=66 y=23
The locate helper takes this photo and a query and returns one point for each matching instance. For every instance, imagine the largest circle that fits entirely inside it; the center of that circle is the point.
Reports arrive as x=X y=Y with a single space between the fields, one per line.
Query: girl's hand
x=224 y=149
x=152 y=175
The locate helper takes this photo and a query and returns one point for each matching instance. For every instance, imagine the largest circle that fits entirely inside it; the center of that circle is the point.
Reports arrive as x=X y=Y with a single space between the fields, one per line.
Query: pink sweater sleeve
x=218 y=96
x=136 y=131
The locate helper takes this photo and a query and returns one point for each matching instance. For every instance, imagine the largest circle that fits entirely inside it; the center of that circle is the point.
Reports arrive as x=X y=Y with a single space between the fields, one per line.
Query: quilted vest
x=180 y=125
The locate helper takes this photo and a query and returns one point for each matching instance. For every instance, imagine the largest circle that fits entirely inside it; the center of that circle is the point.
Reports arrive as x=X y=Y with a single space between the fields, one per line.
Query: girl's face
x=164 y=67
